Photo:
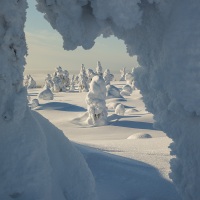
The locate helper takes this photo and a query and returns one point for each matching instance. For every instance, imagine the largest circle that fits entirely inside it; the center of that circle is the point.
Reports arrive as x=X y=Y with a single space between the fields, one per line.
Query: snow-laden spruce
x=72 y=84
x=96 y=105
x=46 y=94
x=83 y=80
x=90 y=74
x=99 y=69
x=60 y=79
x=123 y=74
x=164 y=34
x=29 y=82
x=107 y=76
x=129 y=77
x=48 y=82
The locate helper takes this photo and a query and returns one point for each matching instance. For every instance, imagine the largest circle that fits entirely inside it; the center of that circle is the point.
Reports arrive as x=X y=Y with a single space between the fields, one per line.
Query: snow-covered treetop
x=99 y=69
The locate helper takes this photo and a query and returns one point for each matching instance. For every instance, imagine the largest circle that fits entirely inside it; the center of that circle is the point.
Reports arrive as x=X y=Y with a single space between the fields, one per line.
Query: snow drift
x=165 y=37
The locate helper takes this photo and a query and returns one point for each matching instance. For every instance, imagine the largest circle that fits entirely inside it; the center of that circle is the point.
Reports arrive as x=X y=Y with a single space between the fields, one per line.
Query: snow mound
x=112 y=92
x=112 y=105
x=46 y=94
x=120 y=109
x=139 y=136
x=39 y=162
x=126 y=90
x=82 y=120
x=34 y=103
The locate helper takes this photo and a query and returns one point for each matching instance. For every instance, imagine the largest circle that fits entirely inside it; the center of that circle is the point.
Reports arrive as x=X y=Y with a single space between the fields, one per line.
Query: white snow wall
x=165 y=35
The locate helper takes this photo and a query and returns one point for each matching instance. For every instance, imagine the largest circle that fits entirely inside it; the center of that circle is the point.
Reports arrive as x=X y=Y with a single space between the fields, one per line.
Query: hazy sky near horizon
x=46 y=52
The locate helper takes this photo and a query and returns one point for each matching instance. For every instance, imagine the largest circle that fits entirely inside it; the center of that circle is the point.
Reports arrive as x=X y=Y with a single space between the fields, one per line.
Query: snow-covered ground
x=128 y=157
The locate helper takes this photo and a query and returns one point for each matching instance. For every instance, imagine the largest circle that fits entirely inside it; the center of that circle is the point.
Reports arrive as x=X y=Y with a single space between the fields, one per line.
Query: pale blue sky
x=46 y=51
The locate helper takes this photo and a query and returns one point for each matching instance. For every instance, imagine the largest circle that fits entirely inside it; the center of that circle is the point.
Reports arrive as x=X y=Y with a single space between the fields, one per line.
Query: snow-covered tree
x=83 y=80
x=66 y=79
x=76 y=79
x=107 y=76
x=57 y=83
x=72 y=83
x=129 y=78
x=99 y=69
x=90 y=75
x=60 y=79
x=126 y=90
x=29 y=82
x=48 y=81
x=123 y=74
x=46 y=93
x=96 y=104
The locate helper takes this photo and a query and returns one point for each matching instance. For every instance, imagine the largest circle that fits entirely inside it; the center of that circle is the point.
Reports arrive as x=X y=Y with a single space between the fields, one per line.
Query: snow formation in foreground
x=37 y=161
x=165 y=37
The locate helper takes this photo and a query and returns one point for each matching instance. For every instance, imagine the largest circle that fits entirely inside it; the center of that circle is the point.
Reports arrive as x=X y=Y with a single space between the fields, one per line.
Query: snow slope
x=126 y=164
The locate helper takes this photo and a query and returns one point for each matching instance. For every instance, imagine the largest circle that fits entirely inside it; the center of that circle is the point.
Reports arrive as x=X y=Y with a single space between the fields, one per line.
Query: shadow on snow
x=119 y=178
x=115 y=120
x=61 y=106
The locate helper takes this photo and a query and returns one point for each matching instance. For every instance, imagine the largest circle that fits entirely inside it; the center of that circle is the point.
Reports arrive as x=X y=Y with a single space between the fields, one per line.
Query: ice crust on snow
x=164 y=35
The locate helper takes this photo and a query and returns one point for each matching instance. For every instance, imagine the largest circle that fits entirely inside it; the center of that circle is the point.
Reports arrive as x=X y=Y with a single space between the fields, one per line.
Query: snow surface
x=124 y=169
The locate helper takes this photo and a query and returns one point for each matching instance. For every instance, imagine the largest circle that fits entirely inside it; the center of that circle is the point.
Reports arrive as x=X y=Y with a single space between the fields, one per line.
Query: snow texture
x=96 y=102
x=165 y=37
